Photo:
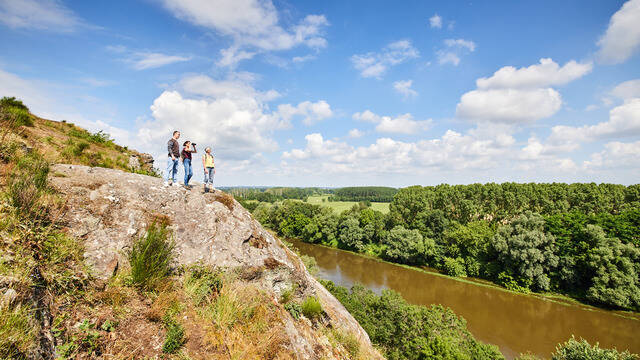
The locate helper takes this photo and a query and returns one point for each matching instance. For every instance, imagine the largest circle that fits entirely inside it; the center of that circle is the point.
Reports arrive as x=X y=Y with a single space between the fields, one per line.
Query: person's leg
x=190 y=171
x=169 y=171
x=206 y=178
x=175 y=170
x=186 y=164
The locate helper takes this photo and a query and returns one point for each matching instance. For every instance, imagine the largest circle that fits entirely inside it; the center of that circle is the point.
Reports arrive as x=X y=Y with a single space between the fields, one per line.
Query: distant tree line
x=525 y=237
x=273 y=194
x=364 y=193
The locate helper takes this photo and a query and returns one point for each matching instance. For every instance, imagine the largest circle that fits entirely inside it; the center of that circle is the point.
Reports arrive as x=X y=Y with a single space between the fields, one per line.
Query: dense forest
x=364 y=193
x=582 y=240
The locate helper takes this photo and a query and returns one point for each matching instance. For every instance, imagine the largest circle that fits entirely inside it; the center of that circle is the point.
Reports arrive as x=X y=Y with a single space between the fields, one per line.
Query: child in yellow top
x=209 y=169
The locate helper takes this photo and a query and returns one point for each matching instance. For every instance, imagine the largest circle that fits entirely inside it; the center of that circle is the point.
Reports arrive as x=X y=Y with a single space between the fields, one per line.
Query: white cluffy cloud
x=48 y=15
x=229 y=114
x=309 y=111
x=622 y=37
x=616 y=155
x=546 y=73
x=451 y=151
x=375 y=64
x=403 y=124
x=435 y=21
x=624 y=122
x=252 y=24
x=514 y=96
x=627 y=90
x=404 y=88
x=455 y=48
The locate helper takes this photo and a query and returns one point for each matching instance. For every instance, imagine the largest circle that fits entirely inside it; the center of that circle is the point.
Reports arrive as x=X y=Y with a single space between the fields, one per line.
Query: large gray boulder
x=109 y=209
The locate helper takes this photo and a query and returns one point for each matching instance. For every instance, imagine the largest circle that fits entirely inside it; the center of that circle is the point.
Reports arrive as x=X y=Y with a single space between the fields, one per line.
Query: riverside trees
x=579 y=239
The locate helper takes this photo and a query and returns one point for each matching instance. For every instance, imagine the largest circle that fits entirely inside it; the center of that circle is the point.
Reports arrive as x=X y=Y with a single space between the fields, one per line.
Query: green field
x=340 y=206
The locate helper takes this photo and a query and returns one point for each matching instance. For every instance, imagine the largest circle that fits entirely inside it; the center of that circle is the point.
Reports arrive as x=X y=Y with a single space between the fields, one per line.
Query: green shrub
x=18 y=117
x=454 y=267
x=311 y=307
x=13 y=102
x=151 y=256
x=581 y=350
x=294 y=309
x=175 y=337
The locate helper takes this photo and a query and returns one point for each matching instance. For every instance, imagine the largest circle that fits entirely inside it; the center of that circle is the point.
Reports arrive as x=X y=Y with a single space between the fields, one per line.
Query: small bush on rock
x=151 y=257
x=311 y=307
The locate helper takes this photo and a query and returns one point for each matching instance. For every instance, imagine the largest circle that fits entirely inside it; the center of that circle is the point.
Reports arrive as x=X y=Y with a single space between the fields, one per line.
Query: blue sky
x=344 y=93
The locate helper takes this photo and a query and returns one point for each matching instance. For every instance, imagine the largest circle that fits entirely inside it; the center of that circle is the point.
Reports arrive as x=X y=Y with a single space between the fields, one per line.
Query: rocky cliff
x=109 y=208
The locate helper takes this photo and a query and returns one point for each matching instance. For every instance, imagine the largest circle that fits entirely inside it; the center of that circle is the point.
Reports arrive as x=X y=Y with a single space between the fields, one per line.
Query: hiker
x=187 y=150
x=209 y=169
x=173 y=151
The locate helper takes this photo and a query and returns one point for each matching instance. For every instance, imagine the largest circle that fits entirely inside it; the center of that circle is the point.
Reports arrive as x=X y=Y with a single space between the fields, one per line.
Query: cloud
x=455 y=48
x=510 y=106
x=622 y=37
x=451 y=151
x=152 y=60
x=546 y=73
x=376 y=64
x=627 y=90
x=355 y=133
x=301 y=59
x=309 y=111
x=403 y=124
x=461 y=43
x=404 y=88
x=252 y=24
x=616 y=155
x=49 y=15
x=514 y=96
x=435 y=21
x=447 y=57
x=231 y=56
x=624 y=121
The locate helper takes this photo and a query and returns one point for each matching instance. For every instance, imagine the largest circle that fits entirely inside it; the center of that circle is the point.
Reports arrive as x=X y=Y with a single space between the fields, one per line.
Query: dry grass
x=225 y=199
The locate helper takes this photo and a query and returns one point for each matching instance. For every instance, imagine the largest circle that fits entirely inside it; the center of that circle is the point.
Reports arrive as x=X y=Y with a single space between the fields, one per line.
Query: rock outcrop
x=109 y=209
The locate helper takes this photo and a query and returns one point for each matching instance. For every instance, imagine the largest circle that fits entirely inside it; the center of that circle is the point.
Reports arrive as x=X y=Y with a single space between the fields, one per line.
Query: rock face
x=109 y=209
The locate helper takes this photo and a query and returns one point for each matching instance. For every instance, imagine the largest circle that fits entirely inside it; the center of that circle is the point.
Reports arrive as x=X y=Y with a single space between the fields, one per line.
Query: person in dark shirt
x=173 y=151
x=187 y=150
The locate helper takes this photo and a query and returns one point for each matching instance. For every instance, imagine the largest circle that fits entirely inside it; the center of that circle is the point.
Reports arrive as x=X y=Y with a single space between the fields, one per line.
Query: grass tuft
x=151 y=257
x=17 y=333
x=311 y=307
x=202 y=283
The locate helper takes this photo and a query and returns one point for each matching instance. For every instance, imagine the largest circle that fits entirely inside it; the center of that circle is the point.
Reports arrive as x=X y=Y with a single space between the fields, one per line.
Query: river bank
x=515 y=322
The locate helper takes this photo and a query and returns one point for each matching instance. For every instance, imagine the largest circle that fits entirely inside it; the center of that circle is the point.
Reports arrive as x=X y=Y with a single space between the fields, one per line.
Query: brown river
x=516 y=323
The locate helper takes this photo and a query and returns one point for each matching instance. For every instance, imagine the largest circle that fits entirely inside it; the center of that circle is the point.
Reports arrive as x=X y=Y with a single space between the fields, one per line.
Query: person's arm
x=170 y=150
x=204 y=162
